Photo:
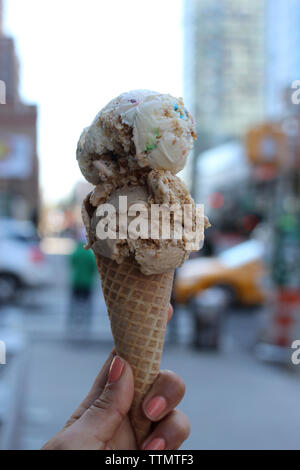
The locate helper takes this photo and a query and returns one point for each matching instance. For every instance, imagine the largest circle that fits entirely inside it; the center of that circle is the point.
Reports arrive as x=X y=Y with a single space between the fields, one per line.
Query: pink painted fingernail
x=156 y=444
x=155 y=407
x=115 y=370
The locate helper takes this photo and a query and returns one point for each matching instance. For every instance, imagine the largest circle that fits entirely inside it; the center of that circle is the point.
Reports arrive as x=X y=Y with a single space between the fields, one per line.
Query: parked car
x=22 y=263
x=240 y=271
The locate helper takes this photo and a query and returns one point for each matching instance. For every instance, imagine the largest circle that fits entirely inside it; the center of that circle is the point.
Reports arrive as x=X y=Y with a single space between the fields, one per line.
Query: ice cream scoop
x=116 y=248
x=151 y=129
x=153 y=255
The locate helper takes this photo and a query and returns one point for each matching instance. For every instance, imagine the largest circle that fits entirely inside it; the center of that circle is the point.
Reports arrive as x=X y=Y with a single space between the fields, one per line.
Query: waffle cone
x=138 y=310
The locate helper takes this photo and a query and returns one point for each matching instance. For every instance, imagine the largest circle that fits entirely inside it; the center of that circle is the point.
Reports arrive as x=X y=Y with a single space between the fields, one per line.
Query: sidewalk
x=233 y=402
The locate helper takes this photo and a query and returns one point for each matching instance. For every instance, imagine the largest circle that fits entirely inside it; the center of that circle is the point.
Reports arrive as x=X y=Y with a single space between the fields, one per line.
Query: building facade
x=19 y=187
x=224 y=65
x=240 y=56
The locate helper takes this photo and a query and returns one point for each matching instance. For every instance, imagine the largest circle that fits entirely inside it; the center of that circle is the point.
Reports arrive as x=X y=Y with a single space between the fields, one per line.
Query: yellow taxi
x=239 y=270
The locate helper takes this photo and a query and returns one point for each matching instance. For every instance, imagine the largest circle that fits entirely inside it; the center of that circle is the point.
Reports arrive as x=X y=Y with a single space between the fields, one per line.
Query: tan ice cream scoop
x=154 y=256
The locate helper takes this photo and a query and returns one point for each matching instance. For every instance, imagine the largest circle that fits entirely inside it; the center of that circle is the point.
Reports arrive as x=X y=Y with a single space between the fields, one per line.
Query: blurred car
x=239 y=271
x=22 y=263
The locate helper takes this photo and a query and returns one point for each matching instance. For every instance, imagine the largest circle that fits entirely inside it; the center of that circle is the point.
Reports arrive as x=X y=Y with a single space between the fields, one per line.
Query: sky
x=76 y=55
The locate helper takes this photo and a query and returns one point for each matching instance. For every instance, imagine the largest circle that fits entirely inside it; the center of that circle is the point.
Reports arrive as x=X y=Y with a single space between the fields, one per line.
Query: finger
x=94 y=392
x=100 y=422
x=170 y=433
x=164 y=395
x=170 y=312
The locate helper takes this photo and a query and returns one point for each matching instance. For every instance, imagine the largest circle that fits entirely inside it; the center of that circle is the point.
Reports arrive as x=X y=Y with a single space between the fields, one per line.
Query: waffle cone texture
x=138 y=310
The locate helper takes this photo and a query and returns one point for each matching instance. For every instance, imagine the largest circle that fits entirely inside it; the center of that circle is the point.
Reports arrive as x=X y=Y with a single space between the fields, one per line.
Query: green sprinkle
x=150 y=147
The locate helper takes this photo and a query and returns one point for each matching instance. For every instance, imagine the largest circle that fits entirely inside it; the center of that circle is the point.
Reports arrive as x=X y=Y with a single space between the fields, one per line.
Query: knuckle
x=177 y=429
x=168 y=374
x=178 y=385
x=184 y=427
x=187 y=430
x=103 y=404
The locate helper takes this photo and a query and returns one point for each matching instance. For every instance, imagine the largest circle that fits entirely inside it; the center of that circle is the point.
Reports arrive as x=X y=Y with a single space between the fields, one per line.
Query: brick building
x=19 y=188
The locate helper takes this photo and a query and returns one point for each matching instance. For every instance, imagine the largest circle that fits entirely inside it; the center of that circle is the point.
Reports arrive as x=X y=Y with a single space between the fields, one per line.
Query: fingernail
x=115 y=370
x=155 y=407
x=156 y=444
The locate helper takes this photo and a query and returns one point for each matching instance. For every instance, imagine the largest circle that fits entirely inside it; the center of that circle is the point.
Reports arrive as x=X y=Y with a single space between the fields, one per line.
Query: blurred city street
x=233 y=400
x=212 y=126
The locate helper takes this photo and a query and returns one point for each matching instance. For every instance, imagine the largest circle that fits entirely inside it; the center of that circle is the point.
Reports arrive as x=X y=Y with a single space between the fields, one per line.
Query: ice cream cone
x=138 y=310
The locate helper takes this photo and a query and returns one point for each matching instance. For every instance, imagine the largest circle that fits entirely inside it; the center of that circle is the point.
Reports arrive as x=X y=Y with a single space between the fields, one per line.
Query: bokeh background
x=237 y=303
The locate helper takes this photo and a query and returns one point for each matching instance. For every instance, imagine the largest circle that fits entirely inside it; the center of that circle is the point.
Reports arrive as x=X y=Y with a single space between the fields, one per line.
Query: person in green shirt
x=82 y=275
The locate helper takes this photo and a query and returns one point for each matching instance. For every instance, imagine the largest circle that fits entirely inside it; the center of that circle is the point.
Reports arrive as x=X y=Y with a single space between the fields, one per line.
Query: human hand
x=101 y=421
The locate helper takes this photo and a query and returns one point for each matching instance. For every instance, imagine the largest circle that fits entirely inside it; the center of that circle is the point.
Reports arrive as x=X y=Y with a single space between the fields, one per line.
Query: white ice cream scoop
x=154 y=130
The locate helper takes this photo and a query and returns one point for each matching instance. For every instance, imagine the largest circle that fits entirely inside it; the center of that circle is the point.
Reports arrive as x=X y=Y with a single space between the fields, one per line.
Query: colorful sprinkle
x=182 y=112
x=150 y=147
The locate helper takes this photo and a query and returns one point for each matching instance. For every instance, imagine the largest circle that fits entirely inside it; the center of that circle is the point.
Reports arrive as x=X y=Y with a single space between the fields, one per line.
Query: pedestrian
x=82 y=276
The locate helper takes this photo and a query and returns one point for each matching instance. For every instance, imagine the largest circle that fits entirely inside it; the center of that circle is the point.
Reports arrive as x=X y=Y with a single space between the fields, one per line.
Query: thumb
x=105 y=415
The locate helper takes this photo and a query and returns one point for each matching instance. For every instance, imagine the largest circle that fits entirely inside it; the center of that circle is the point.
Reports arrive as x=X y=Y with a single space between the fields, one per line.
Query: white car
x=22 y=263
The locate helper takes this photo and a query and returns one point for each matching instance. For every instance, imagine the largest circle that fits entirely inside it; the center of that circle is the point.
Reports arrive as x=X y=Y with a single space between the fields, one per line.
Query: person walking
x=82 y=275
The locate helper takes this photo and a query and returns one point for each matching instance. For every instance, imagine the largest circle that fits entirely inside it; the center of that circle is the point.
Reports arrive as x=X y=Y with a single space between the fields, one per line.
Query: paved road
x=232 y=400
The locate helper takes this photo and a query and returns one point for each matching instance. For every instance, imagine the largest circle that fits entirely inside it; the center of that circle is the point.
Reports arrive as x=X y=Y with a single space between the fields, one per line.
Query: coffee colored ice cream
x=153 y=255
